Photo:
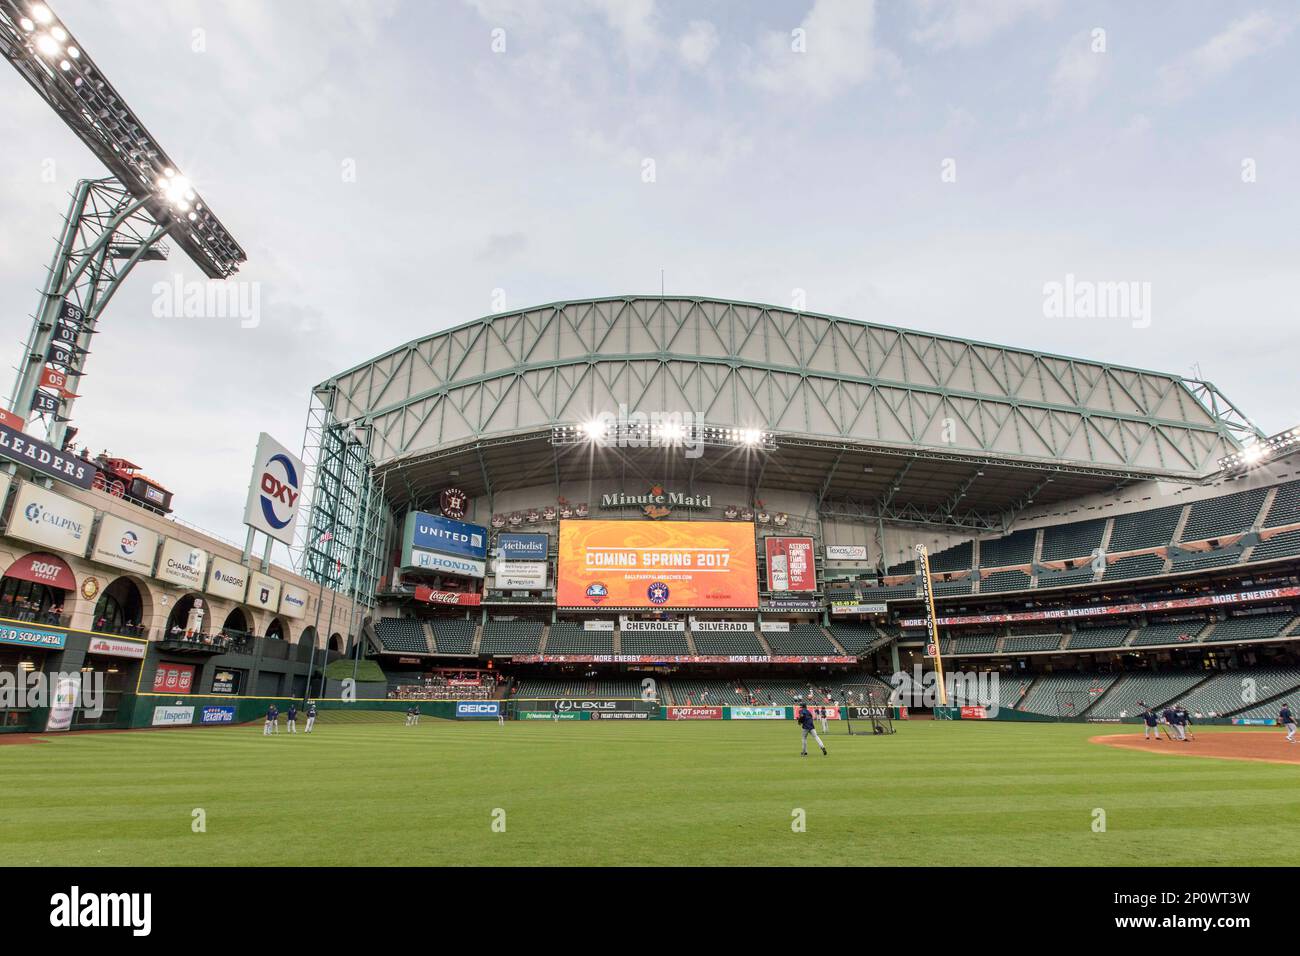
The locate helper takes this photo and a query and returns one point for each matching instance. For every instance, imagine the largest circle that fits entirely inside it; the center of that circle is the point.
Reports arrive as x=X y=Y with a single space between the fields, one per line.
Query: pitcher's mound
x=1268 y=746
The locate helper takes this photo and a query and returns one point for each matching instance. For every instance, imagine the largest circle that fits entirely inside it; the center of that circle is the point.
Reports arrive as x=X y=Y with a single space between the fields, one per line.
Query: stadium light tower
x=112 y=223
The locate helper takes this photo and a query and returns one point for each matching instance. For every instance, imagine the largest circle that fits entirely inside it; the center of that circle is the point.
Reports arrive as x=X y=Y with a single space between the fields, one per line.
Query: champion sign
x=275 y=491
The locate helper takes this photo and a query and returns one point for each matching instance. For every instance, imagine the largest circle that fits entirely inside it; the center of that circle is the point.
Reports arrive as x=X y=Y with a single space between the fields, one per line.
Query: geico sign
x=280 y=491
x=476 y=708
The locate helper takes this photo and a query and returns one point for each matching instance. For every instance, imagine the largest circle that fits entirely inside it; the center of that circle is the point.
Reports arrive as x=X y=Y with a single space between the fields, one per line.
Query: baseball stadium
x=575 y=583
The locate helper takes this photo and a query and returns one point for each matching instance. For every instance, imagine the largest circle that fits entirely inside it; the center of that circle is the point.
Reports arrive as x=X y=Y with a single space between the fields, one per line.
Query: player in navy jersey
x=311 y=715
x=291 y=718
x=1150 y=725
x=805 y=719
x=1287 y=720
x=272 y=721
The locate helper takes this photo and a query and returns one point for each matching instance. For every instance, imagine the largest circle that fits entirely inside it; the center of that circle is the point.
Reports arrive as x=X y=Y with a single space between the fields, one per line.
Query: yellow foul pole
x=932 y=622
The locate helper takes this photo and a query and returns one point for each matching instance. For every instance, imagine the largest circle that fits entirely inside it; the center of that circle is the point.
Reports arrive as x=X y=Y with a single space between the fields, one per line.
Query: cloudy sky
x=396 y=168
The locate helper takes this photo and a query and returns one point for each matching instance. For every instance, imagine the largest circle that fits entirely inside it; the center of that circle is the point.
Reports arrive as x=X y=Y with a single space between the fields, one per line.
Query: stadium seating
x=574 y=639
x=857 y=638
x=1065 y=694
x=1168 y=632
x=1015 y=548
x=1090 y=638
x=667 y=643
x=1060 y=579
x=1005 y=581
x=957 y=558
x=1011 y=689
x=964 y=586
x=1153 y=689
x=973 y=644
x=1225 y=692
x=545 y=687
x=1074 y=540
x=706 y=692
x=802 y=639
x=728 y=643
x=1023 y=643
x=1144 y=529
x=1224 y=514
x=1204 y=560
x=453 y=637
x=1286 y=506
x=1250 y=627
x=511 y=637
x=1135 y=566
x=402 y=635
x=1282 y=545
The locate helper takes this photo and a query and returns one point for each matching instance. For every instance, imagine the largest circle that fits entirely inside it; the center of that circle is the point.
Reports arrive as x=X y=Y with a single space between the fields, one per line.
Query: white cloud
x=836 y=51
x=968 y=23
x=1080 y=71
x=698 y=43
x=1243 y=39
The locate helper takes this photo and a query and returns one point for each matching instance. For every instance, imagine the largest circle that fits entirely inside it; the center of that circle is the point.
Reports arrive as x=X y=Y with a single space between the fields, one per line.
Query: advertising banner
x=523 y=547
x=445 y=564
x=125 y=544
x=694 y=713
x=64 y=705
x=441 y=535
x=41 y=567
x=974 y=713
x=293 y=601
x=790 y=564
x=116 y=647
x=667 y=564
x=619 y=715
x=217 y=714
x=478 y=708
x=598 y=625
x=263 y=591
x=855 y=607
x=464 y=598
x=32 y=637
x=227 y=579
x=724 y=626
x=43 y=517
x=275 y=491
x=757 y=713
x=226 y=681
x=16 y=445
x=776 y=627
x=548 y=715
x=172 y=716
x=846 y=552
x=1110 y=610
x=173 y=679
x=520 y=575
x=662 y=627
x=182 y=564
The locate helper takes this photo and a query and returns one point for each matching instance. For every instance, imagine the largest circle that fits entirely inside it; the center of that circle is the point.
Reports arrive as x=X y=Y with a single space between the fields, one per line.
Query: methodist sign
x=523 y=547
x=275 y=492
x=668 y=564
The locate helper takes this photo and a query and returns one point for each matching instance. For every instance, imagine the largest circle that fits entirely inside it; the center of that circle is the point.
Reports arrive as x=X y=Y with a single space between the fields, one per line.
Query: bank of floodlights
x=41 y=48
x=652 y=431
x=1261 y=451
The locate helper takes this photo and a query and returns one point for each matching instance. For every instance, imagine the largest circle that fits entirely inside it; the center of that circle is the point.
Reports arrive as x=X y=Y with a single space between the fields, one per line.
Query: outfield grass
x=635 y=793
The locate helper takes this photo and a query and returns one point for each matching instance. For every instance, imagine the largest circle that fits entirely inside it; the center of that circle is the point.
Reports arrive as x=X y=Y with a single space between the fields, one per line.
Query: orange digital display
x=664 y=564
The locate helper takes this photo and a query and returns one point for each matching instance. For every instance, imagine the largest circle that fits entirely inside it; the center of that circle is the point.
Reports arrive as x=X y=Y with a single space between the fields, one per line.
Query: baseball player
x=1150 y=725
x=805 y=719
x=291 y=718
x=1286 y=719
x=272 y=721
x=311 y=715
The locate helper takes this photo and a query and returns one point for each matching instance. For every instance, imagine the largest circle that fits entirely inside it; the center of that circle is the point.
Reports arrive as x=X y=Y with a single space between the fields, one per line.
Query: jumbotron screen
x=664 y=564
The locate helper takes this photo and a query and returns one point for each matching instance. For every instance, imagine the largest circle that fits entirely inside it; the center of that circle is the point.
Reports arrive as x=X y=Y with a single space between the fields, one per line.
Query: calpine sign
x=275 y=493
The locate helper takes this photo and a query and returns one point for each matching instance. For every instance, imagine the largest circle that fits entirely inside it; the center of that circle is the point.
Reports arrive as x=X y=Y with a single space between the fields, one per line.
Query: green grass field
x=635 y=793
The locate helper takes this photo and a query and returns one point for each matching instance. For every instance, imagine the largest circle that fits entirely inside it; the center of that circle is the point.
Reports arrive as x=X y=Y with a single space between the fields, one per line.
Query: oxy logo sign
x=130 y=541
x=275 y=493
x=279 y=491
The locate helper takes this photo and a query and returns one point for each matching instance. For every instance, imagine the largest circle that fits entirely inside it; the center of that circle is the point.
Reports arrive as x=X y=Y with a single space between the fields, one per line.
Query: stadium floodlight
x=42 y=49
x=111 y=225
x=594 y=429
x=1261 y=451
